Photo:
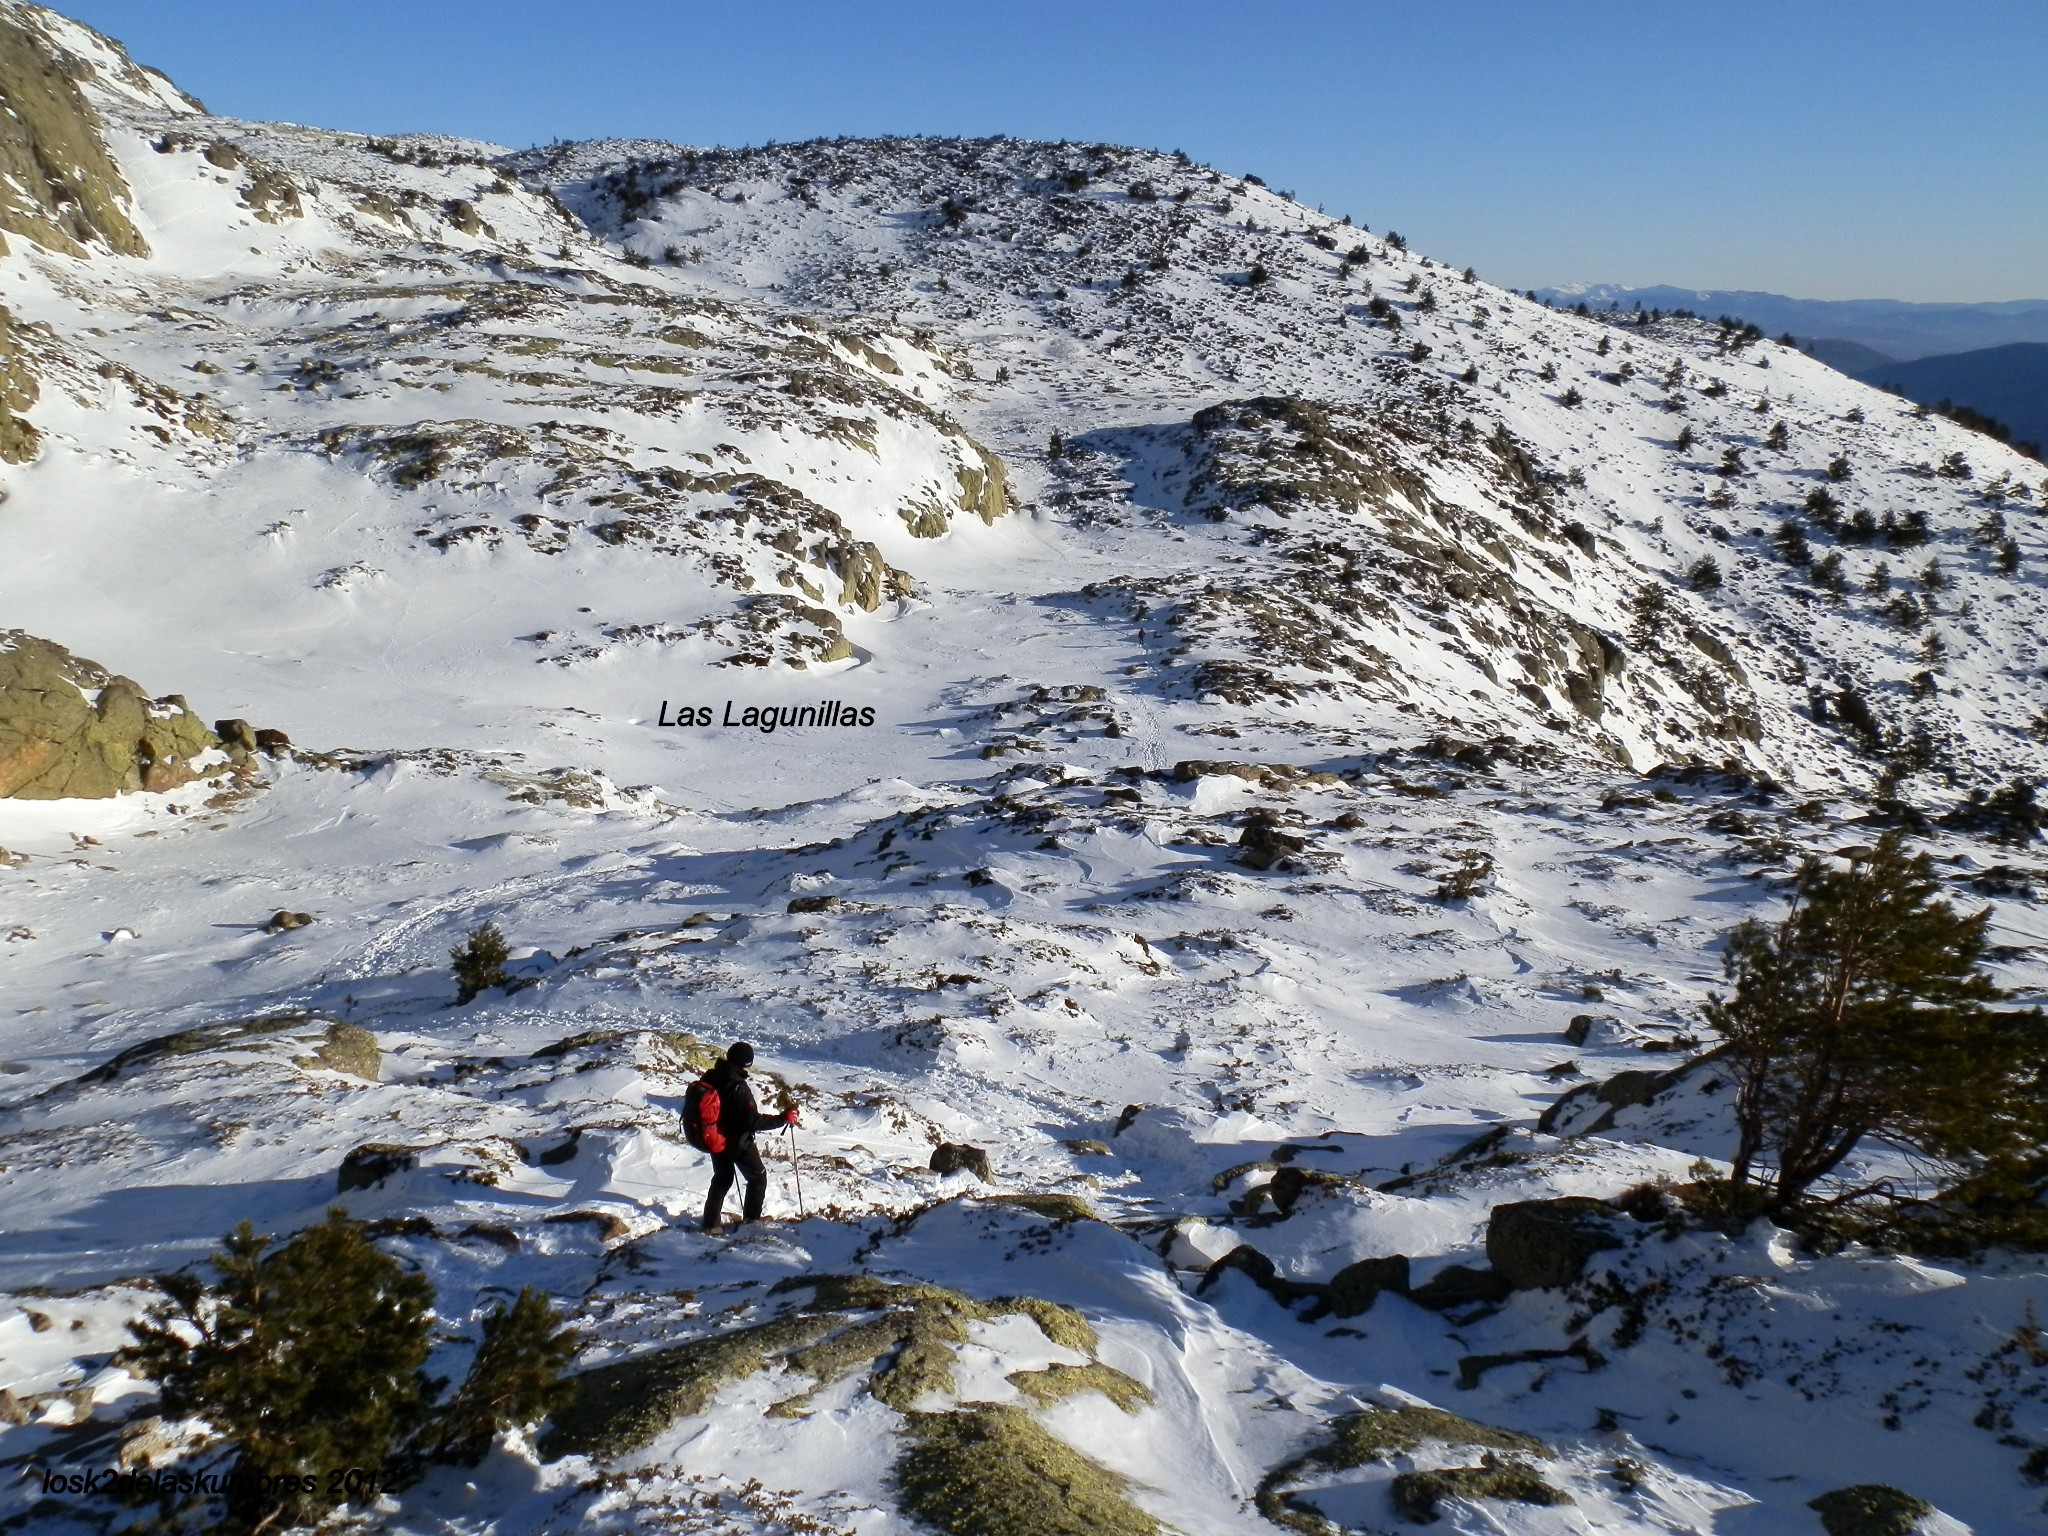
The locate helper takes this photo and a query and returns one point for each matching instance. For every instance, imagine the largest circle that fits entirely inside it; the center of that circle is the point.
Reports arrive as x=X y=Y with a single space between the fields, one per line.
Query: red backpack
x=701 y=1107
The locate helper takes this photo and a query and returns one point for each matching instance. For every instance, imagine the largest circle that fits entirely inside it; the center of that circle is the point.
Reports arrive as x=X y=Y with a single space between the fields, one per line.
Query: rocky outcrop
x=1545 y=1244
x=58 y=185
x=69 y=729
x=984 y=487
x=18 y=439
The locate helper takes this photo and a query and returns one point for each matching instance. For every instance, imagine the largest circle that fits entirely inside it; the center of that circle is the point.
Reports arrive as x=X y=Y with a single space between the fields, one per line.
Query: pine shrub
x=310 y=1356
x=1790 y=541
x=479 y=963
x=1829 y=575
x=1865 y=1011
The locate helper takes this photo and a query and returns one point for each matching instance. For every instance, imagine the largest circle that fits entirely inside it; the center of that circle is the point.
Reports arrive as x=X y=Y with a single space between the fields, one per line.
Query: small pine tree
x=312 y=1356
x=1829 y=576
x=1838 y=467
x=516 y=1378
x=1471 y=373
x=306 y=1358
x=2009 y=557
x=1649 y=612
x=1777 y=437
x=1685 y=440
x=1606 y=346
x=1731 y=463
x=480 y=963
x=1790 y=540
x=1055 y=447
x=1258 y=276
x=1704 y=574
x=1865 y=1011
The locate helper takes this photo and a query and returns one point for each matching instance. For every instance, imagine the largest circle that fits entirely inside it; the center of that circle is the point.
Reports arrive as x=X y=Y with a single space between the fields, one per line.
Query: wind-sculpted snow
x=1238 y=741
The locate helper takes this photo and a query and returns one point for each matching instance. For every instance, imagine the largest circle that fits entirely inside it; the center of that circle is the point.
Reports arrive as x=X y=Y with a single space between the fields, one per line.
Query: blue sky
x=1828 y=150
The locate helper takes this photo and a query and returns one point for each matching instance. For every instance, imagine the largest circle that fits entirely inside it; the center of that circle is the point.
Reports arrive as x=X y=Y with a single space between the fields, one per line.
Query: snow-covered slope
x=1357 y=732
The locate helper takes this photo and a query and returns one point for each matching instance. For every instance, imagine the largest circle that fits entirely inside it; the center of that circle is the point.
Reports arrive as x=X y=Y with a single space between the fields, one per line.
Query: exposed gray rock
x=957 y=1156
x=1544 y=1244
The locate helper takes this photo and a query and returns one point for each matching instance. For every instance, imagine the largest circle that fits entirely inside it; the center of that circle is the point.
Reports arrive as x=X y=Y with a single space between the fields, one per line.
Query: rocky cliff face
x=70 y=729
x=59 y=186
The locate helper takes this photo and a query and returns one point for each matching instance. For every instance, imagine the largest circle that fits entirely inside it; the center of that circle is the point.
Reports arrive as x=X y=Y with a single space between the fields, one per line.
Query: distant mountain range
x=1990 y=357
x=2009 y=383
x=1890 y=327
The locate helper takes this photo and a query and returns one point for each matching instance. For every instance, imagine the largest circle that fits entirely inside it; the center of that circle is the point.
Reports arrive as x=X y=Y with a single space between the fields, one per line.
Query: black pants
x=744 y=1159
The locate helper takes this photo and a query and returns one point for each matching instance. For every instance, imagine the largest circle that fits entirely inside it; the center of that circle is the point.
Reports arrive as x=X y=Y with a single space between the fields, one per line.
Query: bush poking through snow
x=994 y=1471
x=480 y=963
x=312 y=1354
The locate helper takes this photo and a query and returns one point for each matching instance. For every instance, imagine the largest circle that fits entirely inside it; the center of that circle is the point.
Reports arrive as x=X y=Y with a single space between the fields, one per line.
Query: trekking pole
x=796 y=1172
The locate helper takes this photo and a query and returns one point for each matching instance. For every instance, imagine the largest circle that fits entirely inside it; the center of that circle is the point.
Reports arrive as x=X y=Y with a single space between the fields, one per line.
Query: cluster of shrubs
x=311 y=1355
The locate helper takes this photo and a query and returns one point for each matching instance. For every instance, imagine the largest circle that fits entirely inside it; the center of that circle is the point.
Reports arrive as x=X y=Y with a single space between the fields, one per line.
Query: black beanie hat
x=740 y=1054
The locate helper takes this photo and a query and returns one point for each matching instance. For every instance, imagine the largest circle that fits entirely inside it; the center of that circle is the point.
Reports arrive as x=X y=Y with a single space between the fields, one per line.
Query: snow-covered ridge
x=1356 y=736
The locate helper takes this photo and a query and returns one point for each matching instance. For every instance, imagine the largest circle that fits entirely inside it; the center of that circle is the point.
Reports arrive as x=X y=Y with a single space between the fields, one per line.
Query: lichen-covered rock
x=348 y=1048
x=69 y=729
x=59 y=187
x=463 y=215
x=1416 y=1494
x=984 y=486
x=1870 y=1509
x=1543 y=1244
x=271 y=195
x=19 y=440
x=990 y=1470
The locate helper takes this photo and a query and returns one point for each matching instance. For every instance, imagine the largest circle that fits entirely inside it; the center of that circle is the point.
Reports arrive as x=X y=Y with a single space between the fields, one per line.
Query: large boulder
x=959 y=1157
x=1355 y=1287
x=69 y=729
x=1543 y=1244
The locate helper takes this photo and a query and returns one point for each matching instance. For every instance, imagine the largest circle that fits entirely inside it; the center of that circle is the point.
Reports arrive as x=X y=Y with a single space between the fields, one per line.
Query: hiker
x=730 y=1140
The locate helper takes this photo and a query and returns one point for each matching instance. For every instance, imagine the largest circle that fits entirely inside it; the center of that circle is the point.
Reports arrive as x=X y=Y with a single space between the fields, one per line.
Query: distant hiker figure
x=721 y=1117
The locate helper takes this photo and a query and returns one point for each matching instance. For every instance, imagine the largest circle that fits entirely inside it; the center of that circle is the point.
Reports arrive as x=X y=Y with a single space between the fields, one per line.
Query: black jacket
x=739 y=1117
